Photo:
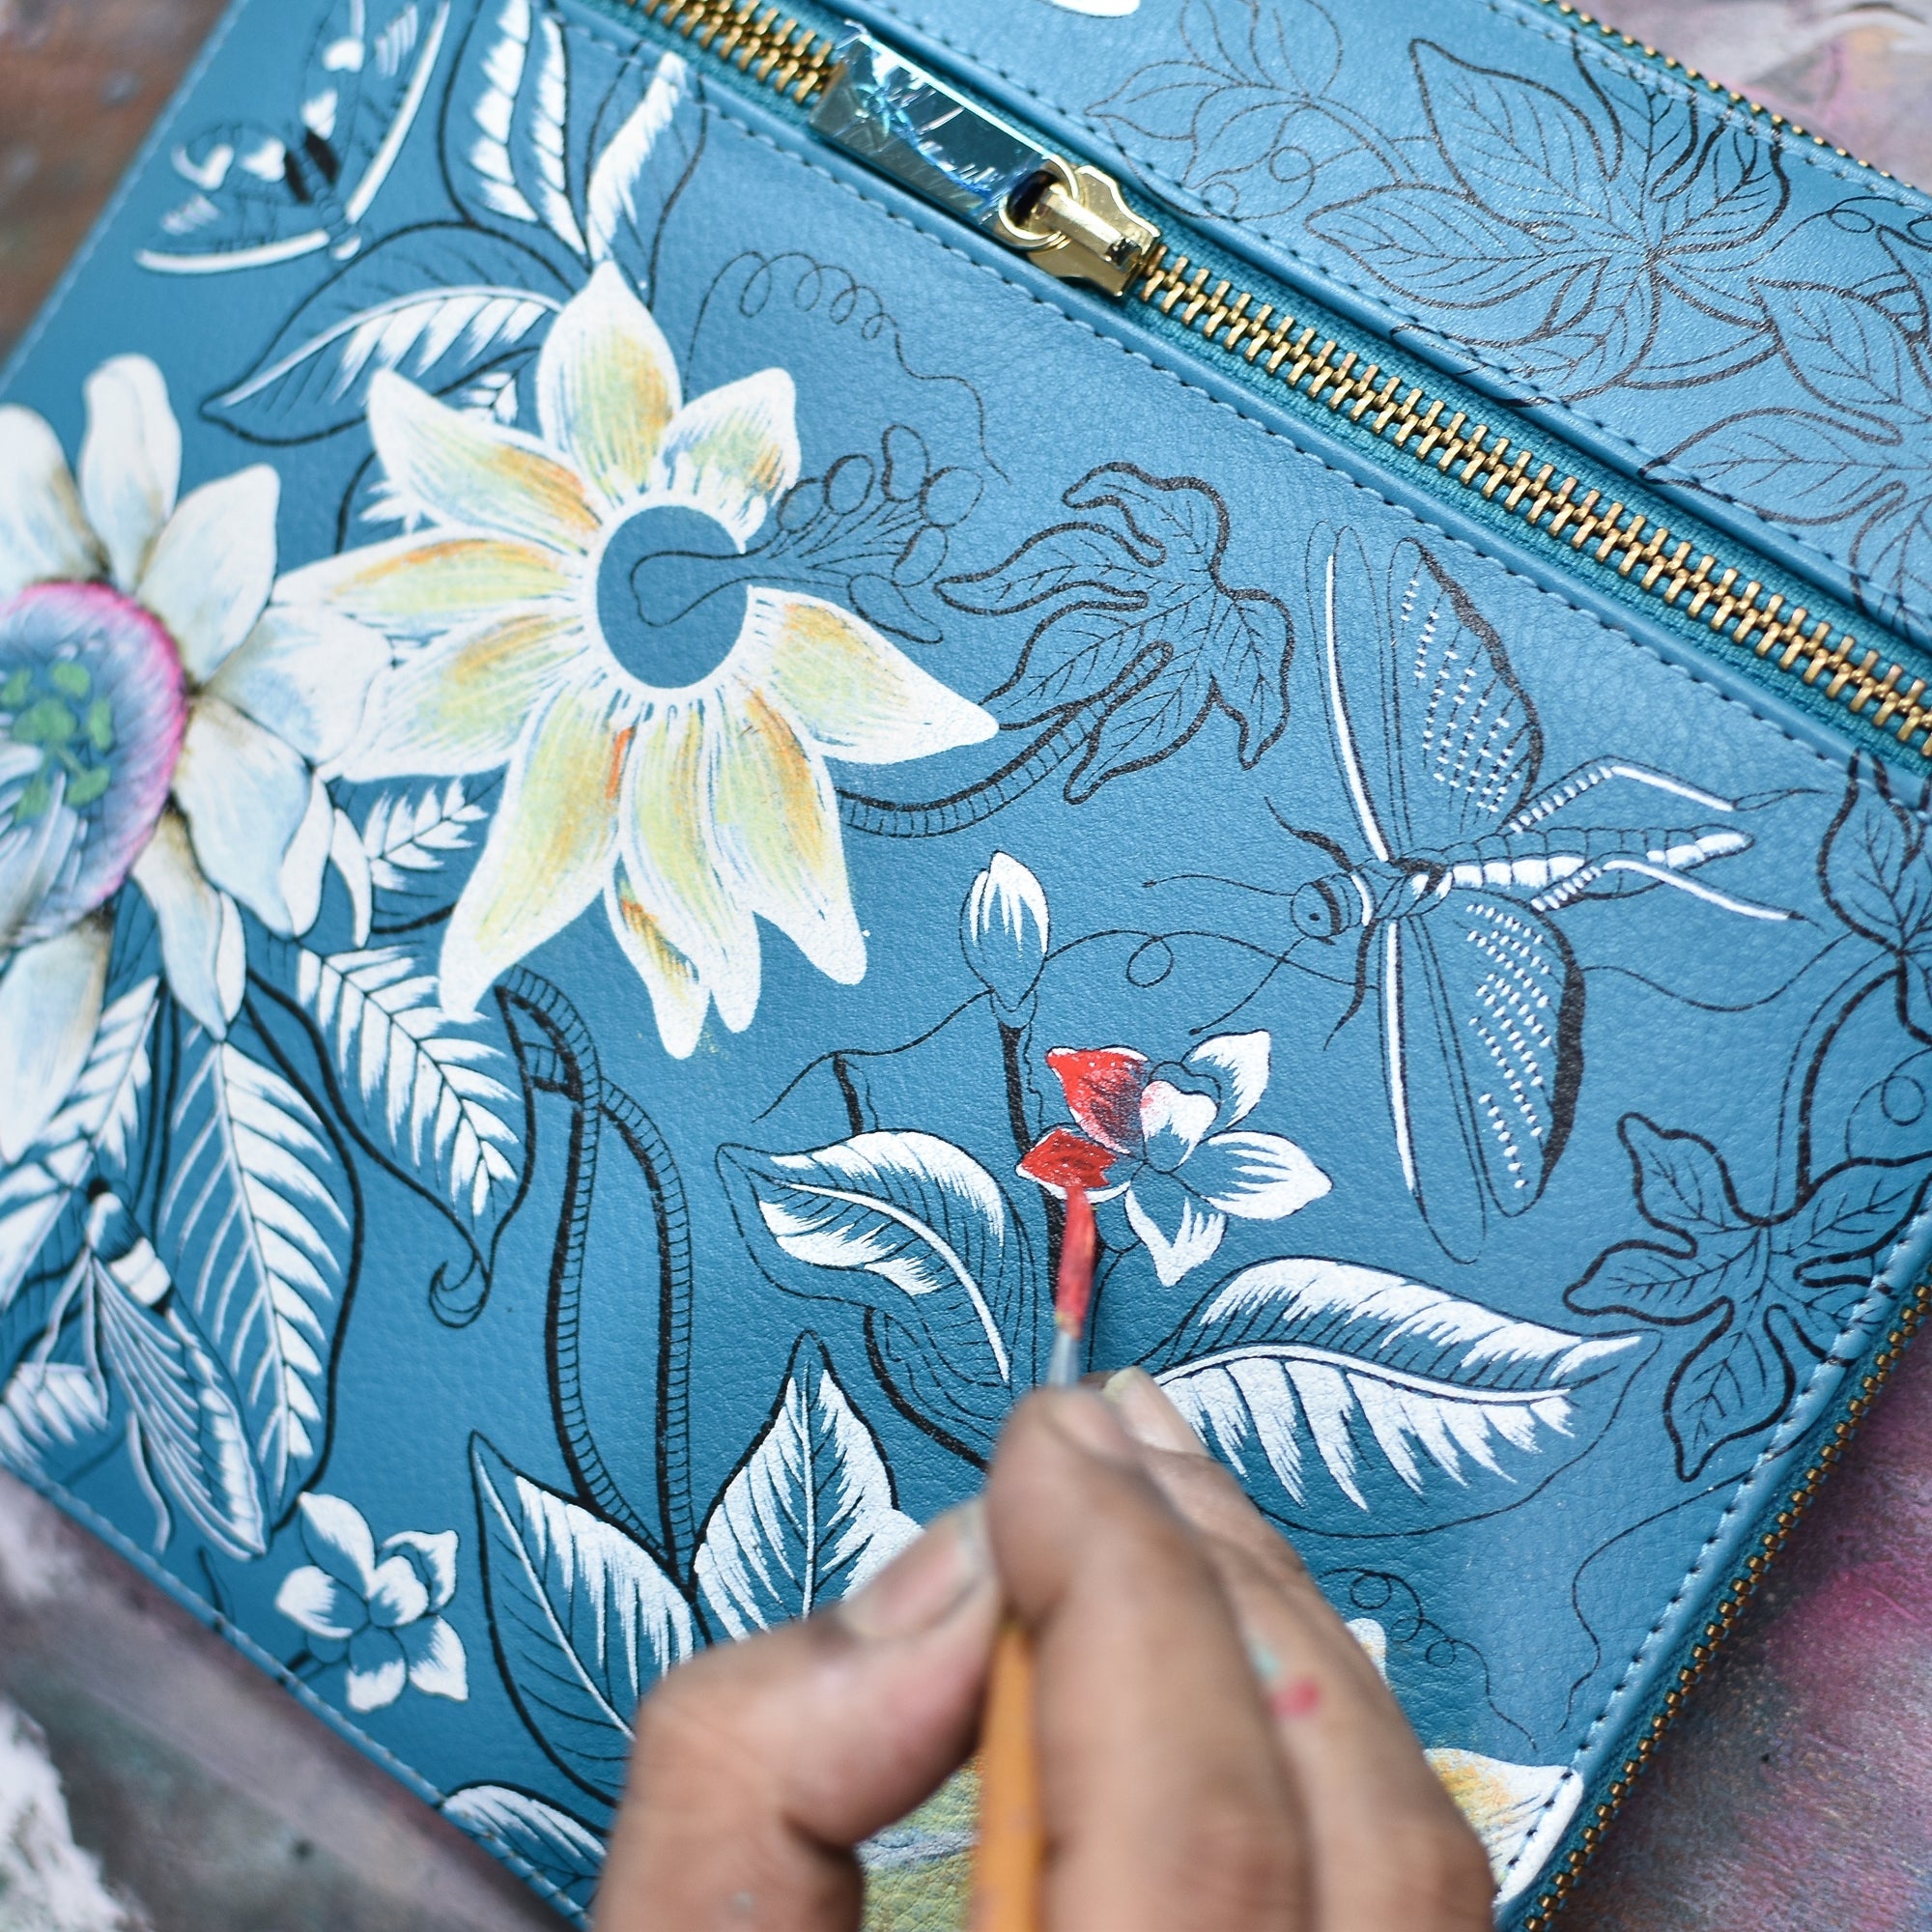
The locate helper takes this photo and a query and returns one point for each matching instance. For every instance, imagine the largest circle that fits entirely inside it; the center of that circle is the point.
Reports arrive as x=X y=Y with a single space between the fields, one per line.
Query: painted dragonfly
x=1480 y=1000
x=262 y=195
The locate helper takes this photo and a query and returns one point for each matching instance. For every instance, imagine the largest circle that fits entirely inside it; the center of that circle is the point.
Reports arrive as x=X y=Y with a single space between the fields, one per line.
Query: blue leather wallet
x=662 y=667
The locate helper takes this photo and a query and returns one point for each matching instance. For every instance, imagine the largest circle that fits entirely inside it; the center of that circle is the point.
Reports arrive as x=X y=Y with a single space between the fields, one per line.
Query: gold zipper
x=1611 y=535
x=1730 y=1606
x=766 y=42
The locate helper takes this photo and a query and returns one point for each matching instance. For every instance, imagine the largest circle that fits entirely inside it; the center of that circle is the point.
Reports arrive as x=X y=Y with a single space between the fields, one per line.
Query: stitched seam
x=1379 y=294
x=265 y=1659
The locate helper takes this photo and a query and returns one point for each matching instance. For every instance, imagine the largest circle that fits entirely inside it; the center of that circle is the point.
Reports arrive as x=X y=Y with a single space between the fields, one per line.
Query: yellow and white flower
x=159 y=719
x=669 y=757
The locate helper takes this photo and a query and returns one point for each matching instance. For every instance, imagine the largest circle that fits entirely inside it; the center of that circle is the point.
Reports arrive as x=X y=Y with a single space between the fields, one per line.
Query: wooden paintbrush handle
x=1012 y=1839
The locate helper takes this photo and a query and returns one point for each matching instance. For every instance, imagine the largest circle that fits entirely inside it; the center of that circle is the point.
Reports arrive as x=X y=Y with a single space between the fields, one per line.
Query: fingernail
x=922 y=1586
x=1142 y=1405
x=1088 y=1423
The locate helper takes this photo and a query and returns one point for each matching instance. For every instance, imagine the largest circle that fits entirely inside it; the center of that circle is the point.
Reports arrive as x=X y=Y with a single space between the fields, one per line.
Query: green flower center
x=671 y=595
x=56 y=709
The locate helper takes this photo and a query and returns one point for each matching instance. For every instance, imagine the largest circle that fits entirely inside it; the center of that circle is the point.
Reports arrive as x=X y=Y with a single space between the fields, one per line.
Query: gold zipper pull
x=909 y=124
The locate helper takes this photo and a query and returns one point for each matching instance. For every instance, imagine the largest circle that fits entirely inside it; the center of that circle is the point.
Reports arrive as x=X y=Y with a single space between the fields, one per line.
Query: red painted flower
x=1139 y=1125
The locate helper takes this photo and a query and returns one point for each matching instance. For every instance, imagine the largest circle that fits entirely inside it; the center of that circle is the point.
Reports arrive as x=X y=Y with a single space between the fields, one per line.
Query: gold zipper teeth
x=765 y=42
x=1730 y=1606
x=1783 y=123
x=1610 y=535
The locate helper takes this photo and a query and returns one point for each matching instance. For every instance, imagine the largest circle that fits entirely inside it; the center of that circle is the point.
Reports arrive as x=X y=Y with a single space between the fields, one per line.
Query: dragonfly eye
x=1316 y=910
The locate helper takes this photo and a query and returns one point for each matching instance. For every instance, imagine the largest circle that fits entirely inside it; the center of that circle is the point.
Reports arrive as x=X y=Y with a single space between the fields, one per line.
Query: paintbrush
x=1011 y=1854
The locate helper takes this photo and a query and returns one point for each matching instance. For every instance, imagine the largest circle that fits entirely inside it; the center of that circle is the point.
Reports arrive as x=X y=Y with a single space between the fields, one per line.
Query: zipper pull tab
x=909 y=124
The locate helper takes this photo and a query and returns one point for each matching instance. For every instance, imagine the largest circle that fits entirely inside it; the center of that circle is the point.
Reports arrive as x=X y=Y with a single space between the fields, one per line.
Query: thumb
x=760 y=1765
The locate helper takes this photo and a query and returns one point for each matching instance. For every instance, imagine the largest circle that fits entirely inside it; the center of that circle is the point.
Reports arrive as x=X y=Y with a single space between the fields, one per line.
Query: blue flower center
x=670 y=596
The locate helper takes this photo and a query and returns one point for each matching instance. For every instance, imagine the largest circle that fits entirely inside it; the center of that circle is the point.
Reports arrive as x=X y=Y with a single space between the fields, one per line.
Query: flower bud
x=1002 y=930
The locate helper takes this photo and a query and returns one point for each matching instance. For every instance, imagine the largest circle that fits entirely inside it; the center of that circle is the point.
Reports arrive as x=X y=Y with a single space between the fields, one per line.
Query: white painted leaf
x=1359 y=1403
x=913 y=1227
x=189 y=1414
x=253 y=1228
x=507 y=144
x=404 y=835
x=95 y=1120
x=809 y=1516
x=49 y=1411
x=583 y=1618
x=422 y=1080
x=640 y=170
x=562 y=1851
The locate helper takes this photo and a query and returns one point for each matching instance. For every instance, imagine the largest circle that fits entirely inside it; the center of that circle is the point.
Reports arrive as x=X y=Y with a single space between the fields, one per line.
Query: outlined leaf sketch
x=1772 y=1294
x=440 y=304
x=914 y=1231
x=1247 y=121
x=1136 y=626
x=809 y=1516
x=563 y=1852
x=260 y=194
x=1575 y=234
x=1860 y=463
x=583 y=1619
x=1358 y=1403
x=1877 y=876
x=1465 y=855
x=425 y=1084
x=254 y=1225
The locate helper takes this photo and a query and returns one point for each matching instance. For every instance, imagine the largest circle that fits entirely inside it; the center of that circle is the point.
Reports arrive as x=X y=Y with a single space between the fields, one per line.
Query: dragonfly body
x=1447 y=894
x=1542 y=867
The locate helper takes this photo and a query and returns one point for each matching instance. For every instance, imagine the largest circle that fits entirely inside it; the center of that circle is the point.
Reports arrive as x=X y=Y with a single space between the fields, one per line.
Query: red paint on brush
x=1074 y=1288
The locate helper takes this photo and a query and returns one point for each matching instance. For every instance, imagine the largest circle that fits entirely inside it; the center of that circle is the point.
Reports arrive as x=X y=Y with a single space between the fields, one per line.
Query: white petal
x=461 y=705
x=212 y=567
x=1259 y=1176
x=669 y=865
x=434 y=1555
x=34 y=856
x=731 y=451
x=1196 y=1235
x=423 y=586
x=200 y=936
x=776 y=833
x=1521 y=1811
x=50 y=1006
x=397 y=1595
x=246 y=793
x=323 y=1608
x=1241 y=1063
x=606 y=385
x=378 y=1670
x=1173 y=1122
x=43 y=533
x=849 y=692
x=679 y=996
x=337 y=1539
x=473 y=474
x=308 y=860
x=129 y=463
x=437 y=1664
x=305 y=673
x=551 y=844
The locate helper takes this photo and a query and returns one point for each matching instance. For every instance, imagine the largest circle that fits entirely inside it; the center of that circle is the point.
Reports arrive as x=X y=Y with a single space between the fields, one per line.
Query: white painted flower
x=1162 y=1139
x=1519 y=1812
x=376 y=1611
x=1002 y=930
x=160 y=720
x=666 y=735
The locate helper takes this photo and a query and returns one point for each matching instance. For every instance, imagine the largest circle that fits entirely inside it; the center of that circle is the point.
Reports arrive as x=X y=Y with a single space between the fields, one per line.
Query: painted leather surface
x=1699 y=298
x=613 y=771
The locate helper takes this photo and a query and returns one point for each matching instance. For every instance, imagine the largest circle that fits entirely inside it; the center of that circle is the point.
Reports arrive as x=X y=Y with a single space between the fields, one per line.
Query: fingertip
x=1148 y=1416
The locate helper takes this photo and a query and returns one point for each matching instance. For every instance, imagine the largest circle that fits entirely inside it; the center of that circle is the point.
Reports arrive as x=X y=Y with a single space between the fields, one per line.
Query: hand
x=1217 y=1753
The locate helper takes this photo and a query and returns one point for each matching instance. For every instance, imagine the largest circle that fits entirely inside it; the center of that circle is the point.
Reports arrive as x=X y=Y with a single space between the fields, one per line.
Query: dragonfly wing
x=1482 y=1009
x=1461 y=742
x=1352 y=625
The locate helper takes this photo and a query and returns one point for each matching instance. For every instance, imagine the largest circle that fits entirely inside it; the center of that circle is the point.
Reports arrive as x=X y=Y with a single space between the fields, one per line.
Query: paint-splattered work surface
x=1791 y=1795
